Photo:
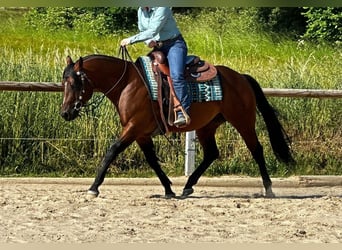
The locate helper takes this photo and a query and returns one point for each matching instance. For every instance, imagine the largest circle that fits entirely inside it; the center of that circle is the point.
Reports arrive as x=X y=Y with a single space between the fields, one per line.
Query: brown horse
x=121 y=81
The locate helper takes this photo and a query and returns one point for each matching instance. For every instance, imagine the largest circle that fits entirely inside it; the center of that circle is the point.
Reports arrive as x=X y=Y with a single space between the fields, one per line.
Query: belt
x=168 y=41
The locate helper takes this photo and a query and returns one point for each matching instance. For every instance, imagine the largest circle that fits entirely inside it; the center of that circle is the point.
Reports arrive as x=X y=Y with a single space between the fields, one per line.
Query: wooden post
x=190 y=147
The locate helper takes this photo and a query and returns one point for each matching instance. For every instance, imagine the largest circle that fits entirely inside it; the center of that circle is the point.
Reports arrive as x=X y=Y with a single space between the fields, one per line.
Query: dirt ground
x=44 y=211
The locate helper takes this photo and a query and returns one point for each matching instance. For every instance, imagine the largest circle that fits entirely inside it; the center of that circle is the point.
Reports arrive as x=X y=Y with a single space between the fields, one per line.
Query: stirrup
x=180 y=121
x=183 y=119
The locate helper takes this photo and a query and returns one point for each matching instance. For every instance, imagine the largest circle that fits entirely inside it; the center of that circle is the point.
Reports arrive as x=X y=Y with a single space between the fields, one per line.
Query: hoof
x=170 y=195
x=92 y=194
x=269 y=193
x=187 y=192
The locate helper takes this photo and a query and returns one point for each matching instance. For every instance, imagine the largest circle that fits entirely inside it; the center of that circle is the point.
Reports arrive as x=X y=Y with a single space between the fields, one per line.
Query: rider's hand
x=152 y=44
x=125 y=42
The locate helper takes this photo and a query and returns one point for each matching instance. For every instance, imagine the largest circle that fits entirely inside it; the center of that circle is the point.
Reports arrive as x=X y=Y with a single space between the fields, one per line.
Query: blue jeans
x=176 y=53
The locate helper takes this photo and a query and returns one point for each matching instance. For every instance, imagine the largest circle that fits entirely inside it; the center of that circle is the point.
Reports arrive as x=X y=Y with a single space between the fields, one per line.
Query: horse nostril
x=65 y=115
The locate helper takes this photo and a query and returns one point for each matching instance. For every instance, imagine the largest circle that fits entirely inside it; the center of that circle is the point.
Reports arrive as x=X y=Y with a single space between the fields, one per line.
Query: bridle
x=79 y=104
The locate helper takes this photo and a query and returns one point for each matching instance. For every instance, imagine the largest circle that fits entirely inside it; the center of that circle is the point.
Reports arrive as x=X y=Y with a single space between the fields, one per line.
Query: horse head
x=77 y=89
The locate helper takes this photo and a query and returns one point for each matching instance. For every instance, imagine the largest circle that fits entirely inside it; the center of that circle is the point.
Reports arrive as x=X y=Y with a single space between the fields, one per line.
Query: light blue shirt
x=156 y=23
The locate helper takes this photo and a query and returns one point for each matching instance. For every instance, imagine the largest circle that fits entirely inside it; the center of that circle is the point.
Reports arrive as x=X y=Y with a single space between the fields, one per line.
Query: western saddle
x=196 y=70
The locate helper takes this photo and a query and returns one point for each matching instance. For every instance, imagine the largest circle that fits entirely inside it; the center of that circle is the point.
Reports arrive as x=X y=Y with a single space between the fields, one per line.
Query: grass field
x=36 y=141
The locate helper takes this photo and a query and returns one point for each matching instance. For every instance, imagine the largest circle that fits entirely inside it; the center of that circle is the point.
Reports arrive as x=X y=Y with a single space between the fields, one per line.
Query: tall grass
x=36 y=141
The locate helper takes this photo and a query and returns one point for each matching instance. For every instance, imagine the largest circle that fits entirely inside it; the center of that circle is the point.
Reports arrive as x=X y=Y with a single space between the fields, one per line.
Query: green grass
x=43 y=144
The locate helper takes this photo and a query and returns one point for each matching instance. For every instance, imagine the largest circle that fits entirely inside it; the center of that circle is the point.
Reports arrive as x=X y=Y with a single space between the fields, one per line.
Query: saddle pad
x=199 y=92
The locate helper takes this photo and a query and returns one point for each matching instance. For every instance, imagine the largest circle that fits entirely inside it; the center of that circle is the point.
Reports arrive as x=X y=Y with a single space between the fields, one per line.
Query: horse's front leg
x=117 y=147
x=206 y=137
x=146 y=145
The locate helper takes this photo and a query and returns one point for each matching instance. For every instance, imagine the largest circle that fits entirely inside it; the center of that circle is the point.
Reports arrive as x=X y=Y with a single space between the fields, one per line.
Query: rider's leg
x=177 y=58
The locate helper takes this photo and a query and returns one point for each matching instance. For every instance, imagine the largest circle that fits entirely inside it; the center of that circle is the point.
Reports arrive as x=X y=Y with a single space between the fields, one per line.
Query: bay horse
x=121 y=81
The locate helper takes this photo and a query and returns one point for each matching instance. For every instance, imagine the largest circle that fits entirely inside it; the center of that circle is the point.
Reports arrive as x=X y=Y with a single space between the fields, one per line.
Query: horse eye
x=75 y=85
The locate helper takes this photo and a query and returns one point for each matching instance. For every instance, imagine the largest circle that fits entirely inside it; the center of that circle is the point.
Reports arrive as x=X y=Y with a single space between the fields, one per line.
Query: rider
x=158 y=29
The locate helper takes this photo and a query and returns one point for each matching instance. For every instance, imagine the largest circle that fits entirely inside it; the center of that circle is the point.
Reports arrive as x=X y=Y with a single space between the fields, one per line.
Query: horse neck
x=107 y=74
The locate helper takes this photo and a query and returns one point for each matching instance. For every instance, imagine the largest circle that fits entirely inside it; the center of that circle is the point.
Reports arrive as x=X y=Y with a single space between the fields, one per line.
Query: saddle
x=196 y=71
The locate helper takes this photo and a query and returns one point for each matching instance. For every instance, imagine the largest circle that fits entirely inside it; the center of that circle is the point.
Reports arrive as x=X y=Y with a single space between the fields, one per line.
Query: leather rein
x=95 y=103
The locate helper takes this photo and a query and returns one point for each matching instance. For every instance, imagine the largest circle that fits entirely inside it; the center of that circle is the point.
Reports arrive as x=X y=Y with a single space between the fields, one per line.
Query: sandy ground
x=60 y=211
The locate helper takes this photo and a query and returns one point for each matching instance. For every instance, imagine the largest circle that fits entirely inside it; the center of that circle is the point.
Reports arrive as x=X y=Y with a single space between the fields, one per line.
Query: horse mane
x=100 y=56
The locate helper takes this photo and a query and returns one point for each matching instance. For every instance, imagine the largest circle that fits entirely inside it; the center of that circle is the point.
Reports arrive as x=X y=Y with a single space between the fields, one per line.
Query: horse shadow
x=253 y=196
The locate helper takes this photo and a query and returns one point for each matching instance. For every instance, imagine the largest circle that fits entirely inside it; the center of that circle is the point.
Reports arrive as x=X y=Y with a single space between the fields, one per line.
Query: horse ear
x=80 y=63
x=69 y=60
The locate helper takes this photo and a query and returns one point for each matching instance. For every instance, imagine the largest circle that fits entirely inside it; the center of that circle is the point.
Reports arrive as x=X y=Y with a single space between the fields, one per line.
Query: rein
x=123 y=52
x=125 y=56
x=95 y=103
x=98 y=100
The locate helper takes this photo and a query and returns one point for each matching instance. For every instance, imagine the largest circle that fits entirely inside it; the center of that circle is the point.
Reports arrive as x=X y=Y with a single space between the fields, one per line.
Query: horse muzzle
x=70 y=115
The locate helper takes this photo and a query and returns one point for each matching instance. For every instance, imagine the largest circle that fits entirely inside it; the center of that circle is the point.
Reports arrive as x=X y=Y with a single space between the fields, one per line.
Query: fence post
x=190 y=147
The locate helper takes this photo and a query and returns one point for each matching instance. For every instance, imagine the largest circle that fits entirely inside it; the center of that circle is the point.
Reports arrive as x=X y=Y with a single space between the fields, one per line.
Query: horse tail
x=280 y=141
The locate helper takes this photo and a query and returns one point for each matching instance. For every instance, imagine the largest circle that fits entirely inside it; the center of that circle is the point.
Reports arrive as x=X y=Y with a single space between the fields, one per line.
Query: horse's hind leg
x=146 y=145
x=249 y=136
x=258 y=156
x=206 y=137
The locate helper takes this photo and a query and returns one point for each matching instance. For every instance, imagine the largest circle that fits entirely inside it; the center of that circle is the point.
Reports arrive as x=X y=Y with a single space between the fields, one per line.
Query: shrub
x=98 y=20
x=281 y=20
x=324 y=24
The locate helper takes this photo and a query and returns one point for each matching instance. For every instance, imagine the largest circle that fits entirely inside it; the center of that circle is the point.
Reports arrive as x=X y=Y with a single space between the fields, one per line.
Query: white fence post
x=190 y=148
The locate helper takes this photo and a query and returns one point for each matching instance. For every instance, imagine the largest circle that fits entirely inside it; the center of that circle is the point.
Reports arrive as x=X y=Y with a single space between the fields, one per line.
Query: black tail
x=280 y=142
